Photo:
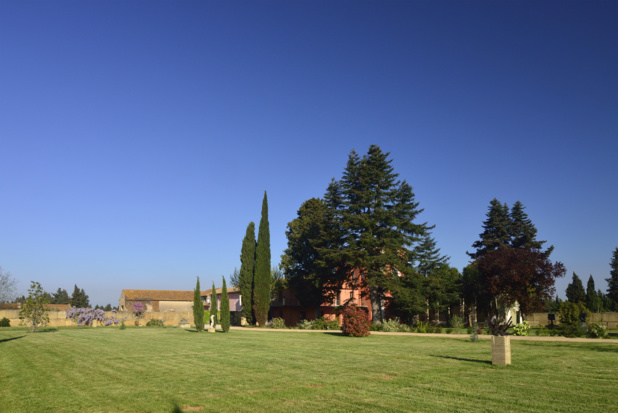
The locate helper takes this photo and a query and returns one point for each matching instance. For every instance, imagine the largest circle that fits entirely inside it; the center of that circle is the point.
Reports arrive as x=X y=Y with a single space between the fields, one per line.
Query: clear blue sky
x=137 y=138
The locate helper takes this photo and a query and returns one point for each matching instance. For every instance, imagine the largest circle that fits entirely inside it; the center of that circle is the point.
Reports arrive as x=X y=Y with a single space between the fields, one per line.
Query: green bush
x=333 y=324
x=319 y=324
x=391 y=326
x=155 y=323
x=521 y=329
x=457 y=323
x=421 y=327
x=376 y=327
x=597 y=330
x=122 y=326
x=541 y=331
x=5 y=322
x=278 y=323
x=305 y=325
x=570 y=323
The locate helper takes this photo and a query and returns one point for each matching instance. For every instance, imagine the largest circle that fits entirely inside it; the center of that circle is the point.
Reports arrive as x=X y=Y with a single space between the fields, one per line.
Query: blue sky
x=137 y=138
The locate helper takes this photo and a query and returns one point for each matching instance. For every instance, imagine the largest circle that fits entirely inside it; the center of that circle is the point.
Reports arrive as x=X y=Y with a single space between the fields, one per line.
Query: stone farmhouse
x=162 y=301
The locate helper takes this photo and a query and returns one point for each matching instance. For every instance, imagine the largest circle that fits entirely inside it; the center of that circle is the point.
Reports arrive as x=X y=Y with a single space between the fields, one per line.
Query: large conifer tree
x=225 y=308
x=376 y=213
x=612 y=281
x=575 y=292
x=262 y=278
x=247 y=271
x=593 y=301
x=198 y=307
x=496 y=230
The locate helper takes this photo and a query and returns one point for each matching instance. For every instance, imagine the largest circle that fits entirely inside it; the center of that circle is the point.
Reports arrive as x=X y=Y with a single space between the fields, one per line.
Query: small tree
x=225 y=308
x=575 y=291
x=198 y=307
x=138 y=310
x=213 y=305
x=7 y=287
x=33 y=311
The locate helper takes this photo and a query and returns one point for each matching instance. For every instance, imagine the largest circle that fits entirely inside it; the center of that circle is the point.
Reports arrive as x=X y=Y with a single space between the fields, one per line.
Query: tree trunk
x=376 y=305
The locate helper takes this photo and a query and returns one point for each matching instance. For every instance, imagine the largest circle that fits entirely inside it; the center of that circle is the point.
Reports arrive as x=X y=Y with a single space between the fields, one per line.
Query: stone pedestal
x=211 y=329
x=500 y=350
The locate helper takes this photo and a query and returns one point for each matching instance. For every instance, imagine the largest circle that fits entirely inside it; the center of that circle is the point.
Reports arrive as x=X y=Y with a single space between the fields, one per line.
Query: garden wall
x=58 y=318
x=541 y=319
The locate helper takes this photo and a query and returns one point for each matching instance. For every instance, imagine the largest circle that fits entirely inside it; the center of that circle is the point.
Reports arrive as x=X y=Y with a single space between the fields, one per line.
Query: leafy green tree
x=61 y=297
x=33 y=309
x=593 y=301
x=225 y=308
x=7 y=287
x=213 y=305
x=262 y=278
x=612 y=281
x=305 y=262
x=575 y=291
x=247 y=271
x=198 y=307
x=376 y=214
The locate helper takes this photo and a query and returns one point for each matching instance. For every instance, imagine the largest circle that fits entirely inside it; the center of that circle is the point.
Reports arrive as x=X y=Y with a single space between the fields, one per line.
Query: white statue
x=212 y=321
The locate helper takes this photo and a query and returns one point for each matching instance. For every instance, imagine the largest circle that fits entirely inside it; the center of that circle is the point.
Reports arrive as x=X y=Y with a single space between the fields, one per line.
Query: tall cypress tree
x=261 y=293
x=612 y=281
x=213 y=304
x=593 y=301
x=198 y=307
x=225 y=308
x=575 y=291
x=247 y=271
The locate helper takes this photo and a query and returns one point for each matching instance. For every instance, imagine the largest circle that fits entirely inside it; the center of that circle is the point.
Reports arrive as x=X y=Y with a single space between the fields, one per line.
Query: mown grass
x=152 y=369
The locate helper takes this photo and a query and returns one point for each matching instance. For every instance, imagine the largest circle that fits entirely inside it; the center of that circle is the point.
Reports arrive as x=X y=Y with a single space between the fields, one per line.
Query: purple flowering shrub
x=86 y=316
x=138 y=309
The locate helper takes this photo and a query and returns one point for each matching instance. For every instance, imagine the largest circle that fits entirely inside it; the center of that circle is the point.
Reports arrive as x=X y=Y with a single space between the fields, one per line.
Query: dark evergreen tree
x=262 y=278
x=214 y=305
x=593 y=301
x=79 y=298
x=60 y=297
x=376 y=213
x=198 y=307
x=225 y=309
x=496 y=230
x=235 y=278
x=612 y=282
x=575 y=292
x=512 y=267
x=247 y=270
x=108 y=307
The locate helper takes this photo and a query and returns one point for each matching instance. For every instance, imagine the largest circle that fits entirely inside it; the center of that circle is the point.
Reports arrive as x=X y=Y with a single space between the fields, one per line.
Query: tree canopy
x=247 y=272
x=262 y=277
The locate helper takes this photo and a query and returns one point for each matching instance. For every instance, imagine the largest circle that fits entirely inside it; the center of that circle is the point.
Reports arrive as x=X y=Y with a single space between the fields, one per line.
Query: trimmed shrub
x=5 y=322
x=277 y=323
x=155 y=323
x=355 y=322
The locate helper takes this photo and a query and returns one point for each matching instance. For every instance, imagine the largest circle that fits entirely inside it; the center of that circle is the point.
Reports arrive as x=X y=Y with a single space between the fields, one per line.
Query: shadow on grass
x=463 y=359
x=47 y=330
x=12 y=338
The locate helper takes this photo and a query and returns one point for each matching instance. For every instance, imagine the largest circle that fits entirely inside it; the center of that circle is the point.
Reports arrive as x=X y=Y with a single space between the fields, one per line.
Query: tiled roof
x=167 y=295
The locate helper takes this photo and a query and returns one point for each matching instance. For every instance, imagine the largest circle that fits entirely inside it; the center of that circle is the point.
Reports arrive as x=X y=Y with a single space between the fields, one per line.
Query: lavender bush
x=86 y=316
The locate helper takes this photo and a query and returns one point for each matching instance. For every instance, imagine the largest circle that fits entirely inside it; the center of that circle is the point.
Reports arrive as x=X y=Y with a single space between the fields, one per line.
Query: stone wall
x=541 y=319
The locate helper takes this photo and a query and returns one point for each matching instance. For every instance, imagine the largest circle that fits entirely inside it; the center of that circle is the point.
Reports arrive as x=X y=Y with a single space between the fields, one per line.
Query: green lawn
x=151 y=369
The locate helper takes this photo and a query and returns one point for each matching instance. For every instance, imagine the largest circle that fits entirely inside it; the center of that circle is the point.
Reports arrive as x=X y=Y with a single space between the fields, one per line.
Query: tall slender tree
x=247 y=271
x=213 y=305
x=612 y=281
x=593 y=301
x=198 y=307
x=575 y=290
x=262 y=278
x=225 y=308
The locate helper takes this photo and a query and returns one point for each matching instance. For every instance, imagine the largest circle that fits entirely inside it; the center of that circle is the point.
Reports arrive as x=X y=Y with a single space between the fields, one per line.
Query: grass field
x=154 y=369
